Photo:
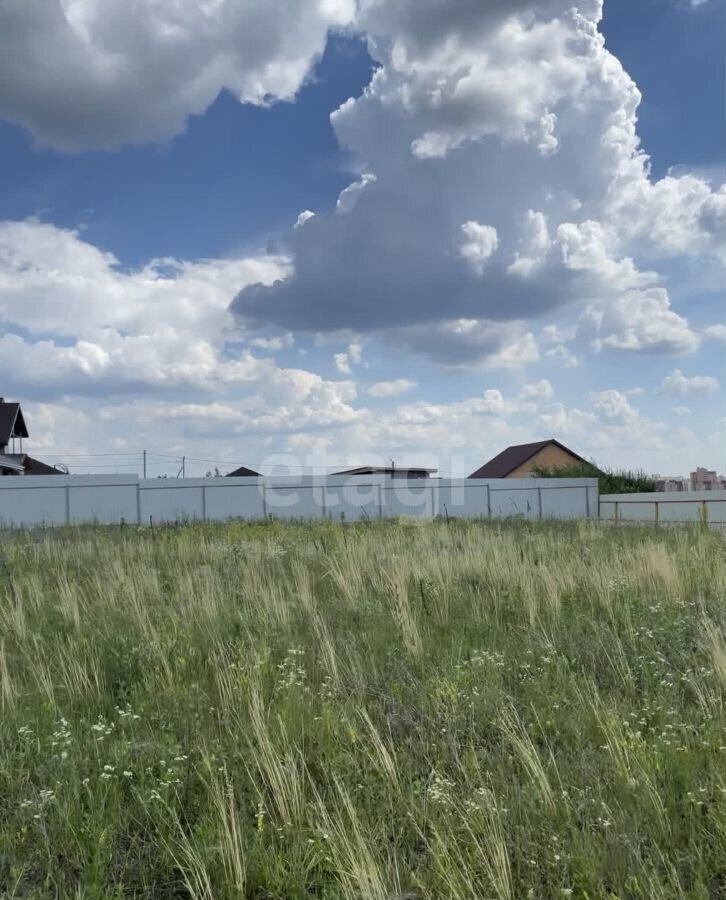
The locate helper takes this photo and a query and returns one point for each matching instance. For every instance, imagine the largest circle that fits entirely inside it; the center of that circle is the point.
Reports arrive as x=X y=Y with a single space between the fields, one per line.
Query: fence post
x=204 y=503
x=323 y=496
x=138 y=502
x=68 y=504
x=489 y=501
x=539 y=503
x=263 y=486
x=704 y=512
x=617 y=513
x=657 y=512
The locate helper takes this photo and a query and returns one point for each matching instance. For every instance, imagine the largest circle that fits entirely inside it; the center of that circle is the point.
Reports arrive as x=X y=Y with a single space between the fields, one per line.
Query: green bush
x=622 y=481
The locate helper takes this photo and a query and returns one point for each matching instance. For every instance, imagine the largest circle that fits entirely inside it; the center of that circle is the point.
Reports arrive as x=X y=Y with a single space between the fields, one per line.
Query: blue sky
x=231 y=181
x=501 y=270
x=675 y=56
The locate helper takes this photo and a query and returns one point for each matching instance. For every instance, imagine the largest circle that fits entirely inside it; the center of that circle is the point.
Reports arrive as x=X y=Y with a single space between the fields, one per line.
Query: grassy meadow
x=380 y=712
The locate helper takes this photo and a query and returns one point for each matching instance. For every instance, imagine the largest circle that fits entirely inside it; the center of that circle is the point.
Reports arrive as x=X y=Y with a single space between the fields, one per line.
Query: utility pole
x=144 y=463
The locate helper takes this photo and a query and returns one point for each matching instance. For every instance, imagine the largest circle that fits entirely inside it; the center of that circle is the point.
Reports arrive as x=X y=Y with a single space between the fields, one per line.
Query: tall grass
x=610 y=481
x=461 y=710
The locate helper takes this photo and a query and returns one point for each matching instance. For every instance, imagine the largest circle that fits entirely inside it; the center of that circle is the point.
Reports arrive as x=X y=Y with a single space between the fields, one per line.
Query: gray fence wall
x=707 y=507
x=110 y=499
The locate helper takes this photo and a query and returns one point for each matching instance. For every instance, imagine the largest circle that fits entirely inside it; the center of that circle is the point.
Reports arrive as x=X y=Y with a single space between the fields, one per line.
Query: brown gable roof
x=513 y=457
x=12 y=423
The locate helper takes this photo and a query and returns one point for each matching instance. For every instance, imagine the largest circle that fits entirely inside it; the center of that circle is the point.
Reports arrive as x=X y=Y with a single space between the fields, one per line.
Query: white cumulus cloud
x=564 y=356
x=101 y=73
x=352 y=357
x=304 y=217
x=716 y=332
x=391 y=388
x=540 y=391
x=504 y=134
x=614 y=405
x=479 y=244
x=682 y=385
x=640 y=320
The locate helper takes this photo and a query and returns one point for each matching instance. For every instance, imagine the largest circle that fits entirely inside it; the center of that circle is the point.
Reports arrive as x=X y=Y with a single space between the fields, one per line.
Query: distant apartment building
x=675 y=483
x=707 y=480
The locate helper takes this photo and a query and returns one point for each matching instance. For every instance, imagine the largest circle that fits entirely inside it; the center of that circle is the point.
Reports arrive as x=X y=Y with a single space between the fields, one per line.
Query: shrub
x=611 y=481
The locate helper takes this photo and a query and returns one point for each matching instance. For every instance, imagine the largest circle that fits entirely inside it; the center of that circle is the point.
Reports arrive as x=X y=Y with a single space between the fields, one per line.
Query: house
x=243 y=472
x=13 y=461
x=393 y=471
x=521 y=460
x=12 y=427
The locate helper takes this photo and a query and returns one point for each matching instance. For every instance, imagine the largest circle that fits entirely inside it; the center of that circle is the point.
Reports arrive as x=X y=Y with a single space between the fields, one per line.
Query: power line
x=90 y=455
x=138 y=455
x=129 y=459
x=114 y=470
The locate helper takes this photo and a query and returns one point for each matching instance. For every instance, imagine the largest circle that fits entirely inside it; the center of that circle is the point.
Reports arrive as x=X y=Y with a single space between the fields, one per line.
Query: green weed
x=363 y=712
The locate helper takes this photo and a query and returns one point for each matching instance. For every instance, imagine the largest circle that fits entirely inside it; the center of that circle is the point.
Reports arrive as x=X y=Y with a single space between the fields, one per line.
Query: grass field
x=386 y=711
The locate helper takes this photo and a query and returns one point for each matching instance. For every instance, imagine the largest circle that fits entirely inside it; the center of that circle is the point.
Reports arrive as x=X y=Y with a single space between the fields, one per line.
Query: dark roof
x=37 y=467
x=12 y=423
x=9 y=463
x=513 y=457
x=401 y=471
x=29 y=465
x=243 y=472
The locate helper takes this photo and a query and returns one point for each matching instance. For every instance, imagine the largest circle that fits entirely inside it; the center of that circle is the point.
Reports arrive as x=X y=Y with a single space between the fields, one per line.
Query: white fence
x=667 y=508
x=75 y=499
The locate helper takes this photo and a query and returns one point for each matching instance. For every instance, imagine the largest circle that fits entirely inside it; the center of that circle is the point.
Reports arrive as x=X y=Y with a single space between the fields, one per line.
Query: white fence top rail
x=508 y=484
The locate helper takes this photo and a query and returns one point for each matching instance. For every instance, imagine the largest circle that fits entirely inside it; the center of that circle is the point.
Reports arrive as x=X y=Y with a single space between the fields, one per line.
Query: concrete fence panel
x=716 y=512
x=353 y=500
x=163 y=500
x=409 y=498
x=637 y=512
x=671 y=512
x=667 y=508
x=39 y=505
x=463 y=499
x=510 y=502
x=295 y=498
x=107 y=505
x=563 y=502
x=235 y=498
x=607 y=511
